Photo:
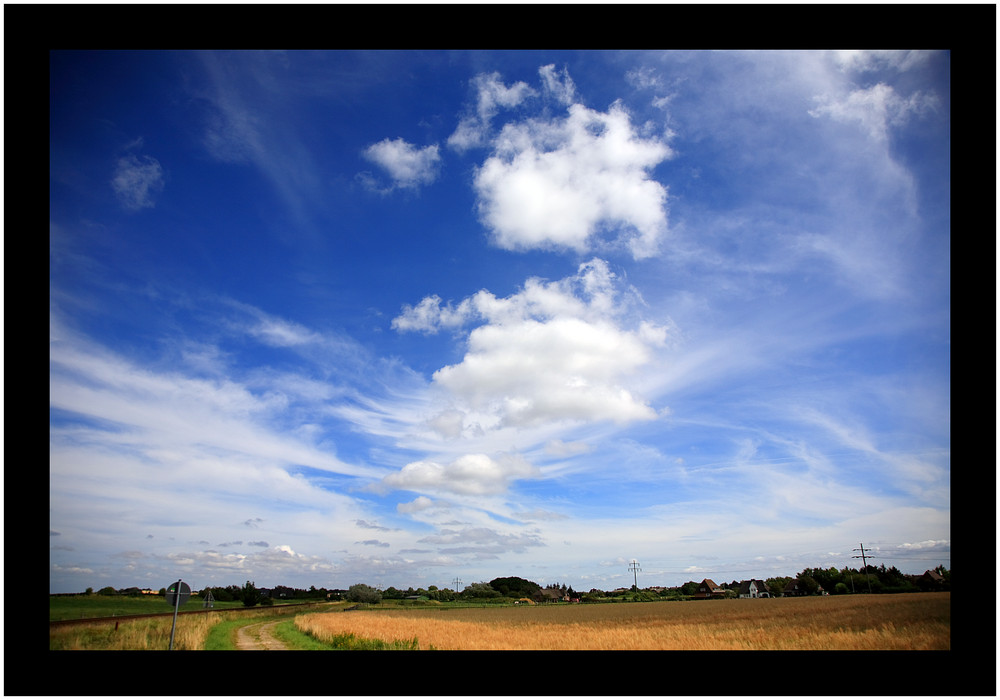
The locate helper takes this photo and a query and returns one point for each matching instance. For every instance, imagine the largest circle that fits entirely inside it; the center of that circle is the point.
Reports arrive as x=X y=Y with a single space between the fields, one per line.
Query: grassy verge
x=222 y=637
x=297 y=639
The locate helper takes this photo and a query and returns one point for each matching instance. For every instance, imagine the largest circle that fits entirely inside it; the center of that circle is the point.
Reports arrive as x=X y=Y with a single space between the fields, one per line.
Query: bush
x=363 y=593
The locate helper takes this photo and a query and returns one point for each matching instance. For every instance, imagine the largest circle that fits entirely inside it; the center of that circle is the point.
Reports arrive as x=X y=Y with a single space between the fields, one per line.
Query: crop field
x=908 y=621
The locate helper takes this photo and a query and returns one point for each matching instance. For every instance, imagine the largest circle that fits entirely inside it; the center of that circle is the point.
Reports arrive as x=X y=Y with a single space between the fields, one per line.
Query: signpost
x=177 y=594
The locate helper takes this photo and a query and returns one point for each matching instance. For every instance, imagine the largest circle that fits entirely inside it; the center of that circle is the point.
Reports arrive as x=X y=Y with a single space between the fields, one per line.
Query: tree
x=776 y=585
x=363 y=593
x=222 y=595
x=514 y=587
x=809 y=584
x=107 y=590
x=480 y=590
x=249 y=595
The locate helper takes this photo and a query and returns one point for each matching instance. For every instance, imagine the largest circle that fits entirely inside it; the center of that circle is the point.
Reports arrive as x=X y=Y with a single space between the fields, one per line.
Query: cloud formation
x=473 y=474
x=573 y=183
x=876 y=109
x=473 y=131
x=136 y=181
x=553 y=352
x=408 y=166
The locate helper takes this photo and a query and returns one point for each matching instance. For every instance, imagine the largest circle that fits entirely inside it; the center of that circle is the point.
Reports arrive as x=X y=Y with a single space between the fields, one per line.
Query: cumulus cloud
x=555 y=351
x=473 y=474
x=566 y=184
x=136 y=181
x=418 y=504
x=408 y=166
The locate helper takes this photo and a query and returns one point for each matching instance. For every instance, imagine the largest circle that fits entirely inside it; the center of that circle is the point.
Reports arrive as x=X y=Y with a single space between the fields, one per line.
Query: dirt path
x=259 y=637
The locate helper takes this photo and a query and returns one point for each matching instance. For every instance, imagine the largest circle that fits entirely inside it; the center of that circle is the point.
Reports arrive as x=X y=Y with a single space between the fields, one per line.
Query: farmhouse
x=754 y=588
x=709 y=589
x=550 y=594
x=929 y=580
x=796 y=587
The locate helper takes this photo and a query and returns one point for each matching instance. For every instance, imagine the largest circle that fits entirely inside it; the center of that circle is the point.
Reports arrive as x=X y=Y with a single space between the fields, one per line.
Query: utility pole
x=634 y=568
x=864 y=562
x=457 y=583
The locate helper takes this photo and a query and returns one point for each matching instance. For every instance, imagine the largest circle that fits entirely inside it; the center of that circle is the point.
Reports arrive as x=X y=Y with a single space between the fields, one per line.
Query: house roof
x=745 y=585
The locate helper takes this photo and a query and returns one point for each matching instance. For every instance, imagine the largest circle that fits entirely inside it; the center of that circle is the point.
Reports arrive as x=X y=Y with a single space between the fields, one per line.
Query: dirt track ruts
x=259 y=637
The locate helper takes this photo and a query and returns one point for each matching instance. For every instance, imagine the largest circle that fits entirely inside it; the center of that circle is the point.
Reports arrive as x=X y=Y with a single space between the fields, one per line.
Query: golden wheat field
x=904 y=621
x=145 y=634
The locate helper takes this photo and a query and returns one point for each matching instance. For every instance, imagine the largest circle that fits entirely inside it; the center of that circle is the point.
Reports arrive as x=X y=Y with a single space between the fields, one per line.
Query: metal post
x=177 y=604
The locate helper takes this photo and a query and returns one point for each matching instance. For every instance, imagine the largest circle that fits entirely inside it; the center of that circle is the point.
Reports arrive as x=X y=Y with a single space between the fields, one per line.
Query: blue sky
x=402 y=318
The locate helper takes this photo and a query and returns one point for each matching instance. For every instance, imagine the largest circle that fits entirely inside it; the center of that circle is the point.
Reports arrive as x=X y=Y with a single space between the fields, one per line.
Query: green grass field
x=77 y=607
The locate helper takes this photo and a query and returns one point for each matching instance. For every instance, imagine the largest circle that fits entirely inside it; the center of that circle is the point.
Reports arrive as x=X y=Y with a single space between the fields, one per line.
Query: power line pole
x=864 y=562
x=457 y=583
x=634 y=568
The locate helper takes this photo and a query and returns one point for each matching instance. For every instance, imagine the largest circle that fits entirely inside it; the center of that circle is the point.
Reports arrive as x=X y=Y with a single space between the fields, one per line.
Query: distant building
x=796 y=588
x=754 y=588
x=709 y=589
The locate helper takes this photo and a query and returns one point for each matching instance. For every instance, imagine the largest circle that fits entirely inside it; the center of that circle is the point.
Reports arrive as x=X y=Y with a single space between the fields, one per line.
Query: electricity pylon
x=864 y=562
x=634 y=568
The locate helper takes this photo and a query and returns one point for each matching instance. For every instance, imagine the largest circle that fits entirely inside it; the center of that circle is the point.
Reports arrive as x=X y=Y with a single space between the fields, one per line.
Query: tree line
x=834 y=581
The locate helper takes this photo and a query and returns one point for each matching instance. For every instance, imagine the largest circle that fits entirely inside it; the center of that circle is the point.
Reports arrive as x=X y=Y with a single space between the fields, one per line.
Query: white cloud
x=557 y=84
x=565 y=369
x=429 y=316
x=407 y=165
x=553 y=352
x=473 y=474
x=136 y=181
x=420 y=503
x=448 y=423
x=865 y=61
x=491 y=94
x=564 y=184
x=559 y=448
x=876 y=109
